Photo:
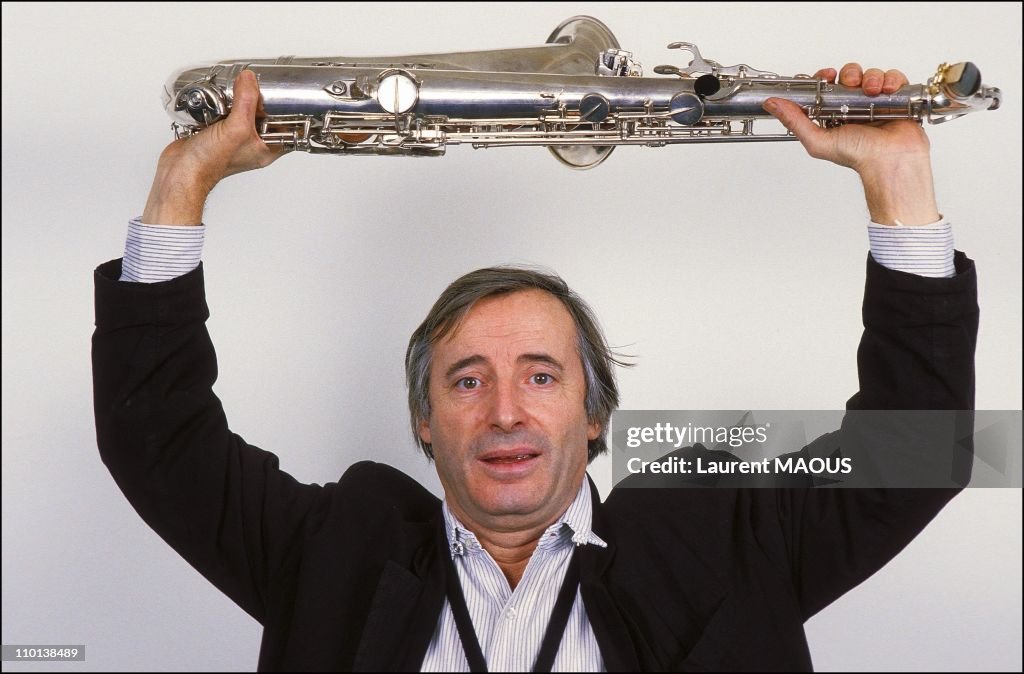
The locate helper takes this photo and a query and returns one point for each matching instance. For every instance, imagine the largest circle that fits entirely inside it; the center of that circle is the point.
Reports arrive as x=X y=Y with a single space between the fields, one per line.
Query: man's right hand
x=190 y=167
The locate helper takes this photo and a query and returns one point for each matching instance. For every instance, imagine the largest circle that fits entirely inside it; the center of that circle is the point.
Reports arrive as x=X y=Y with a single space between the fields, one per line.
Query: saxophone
x=580 y=95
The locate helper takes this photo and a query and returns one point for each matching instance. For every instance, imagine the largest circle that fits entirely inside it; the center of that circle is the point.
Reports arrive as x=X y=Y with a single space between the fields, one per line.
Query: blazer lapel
x=613 y=635
x=405 y=608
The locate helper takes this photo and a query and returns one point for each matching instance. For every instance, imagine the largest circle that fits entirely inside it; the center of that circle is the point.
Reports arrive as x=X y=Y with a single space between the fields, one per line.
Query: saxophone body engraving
x=580 y=95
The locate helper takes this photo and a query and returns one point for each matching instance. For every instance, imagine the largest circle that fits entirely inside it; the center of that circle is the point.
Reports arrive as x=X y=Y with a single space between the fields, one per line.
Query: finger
x=872 y=81
x=894 y=79
x=850 y=75
x=827 y=74
x=812 y=136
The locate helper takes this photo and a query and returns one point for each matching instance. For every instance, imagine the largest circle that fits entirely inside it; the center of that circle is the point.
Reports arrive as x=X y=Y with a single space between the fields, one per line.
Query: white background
x=733 y=272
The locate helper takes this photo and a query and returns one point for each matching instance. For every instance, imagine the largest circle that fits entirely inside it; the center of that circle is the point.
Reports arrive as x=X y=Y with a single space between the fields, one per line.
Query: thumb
x=246 y=95
x=812 y=136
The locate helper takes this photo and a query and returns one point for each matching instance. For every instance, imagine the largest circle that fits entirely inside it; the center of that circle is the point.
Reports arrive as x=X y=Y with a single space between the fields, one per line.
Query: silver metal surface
x=580 y=95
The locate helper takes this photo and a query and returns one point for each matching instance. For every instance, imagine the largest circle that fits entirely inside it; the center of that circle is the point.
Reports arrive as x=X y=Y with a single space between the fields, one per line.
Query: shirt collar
x=574 y=525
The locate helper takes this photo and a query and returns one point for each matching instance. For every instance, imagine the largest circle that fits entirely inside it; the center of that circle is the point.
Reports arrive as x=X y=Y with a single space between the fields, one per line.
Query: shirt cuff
x=154 y=253
x=926 y=250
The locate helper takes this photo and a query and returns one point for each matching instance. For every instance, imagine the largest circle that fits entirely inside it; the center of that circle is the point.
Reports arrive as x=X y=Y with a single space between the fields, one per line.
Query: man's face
x=508 y=425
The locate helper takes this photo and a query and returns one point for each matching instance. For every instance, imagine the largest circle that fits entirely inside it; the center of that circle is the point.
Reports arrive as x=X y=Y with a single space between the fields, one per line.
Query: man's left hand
x=892 y=158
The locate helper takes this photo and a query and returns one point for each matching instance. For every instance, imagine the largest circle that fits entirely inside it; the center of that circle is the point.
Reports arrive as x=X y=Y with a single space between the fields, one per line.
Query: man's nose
x=506 y=407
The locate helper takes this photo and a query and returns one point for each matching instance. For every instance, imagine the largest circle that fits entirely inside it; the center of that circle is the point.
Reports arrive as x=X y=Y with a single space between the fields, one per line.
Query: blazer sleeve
x=916 y=353
x=222 y=504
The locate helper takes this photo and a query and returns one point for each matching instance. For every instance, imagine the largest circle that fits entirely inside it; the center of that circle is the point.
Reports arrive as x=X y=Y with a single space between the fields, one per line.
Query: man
x=511 y=390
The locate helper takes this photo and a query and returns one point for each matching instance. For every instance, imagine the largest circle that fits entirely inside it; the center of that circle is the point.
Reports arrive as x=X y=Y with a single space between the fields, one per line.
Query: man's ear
x=593 y=430
x=424 y=431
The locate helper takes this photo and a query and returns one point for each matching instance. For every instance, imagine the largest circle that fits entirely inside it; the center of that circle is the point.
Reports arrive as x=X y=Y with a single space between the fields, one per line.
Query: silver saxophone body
x=580 y=95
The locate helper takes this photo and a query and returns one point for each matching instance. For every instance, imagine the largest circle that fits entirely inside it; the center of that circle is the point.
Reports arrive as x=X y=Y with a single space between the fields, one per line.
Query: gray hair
x=602 y=394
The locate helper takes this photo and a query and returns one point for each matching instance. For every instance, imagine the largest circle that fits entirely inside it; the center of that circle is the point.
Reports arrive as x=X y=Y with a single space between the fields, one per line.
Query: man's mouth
x=509 y=456
x=510 y=459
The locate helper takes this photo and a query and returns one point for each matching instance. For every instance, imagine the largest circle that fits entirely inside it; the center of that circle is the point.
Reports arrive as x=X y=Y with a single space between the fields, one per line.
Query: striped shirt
x=925 y=251
x=160 y=252
x=510 y=624
x=163 y=252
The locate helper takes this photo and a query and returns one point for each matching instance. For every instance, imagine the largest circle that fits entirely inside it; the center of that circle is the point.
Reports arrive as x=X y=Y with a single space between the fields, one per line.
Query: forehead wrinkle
x=519 y=347
x=506 y=327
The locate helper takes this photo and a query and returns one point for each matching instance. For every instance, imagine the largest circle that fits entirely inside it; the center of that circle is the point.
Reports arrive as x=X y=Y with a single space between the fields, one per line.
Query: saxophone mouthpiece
x=956 y=89
x=963 y=80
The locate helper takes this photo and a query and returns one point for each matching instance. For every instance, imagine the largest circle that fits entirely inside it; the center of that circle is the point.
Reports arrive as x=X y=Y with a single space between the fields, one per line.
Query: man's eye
x=468 y=383
x=541 y=379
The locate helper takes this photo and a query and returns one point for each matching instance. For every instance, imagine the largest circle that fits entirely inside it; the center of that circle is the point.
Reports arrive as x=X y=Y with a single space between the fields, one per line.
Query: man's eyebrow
x=540 y=358
x=475 y=359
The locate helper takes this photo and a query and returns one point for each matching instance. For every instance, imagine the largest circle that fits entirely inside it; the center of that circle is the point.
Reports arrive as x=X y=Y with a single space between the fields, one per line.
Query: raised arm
x=222 y=504
x=916 y=352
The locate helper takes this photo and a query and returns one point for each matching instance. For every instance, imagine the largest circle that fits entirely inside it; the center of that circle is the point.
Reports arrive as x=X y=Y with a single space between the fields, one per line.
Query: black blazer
x=348 y=575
